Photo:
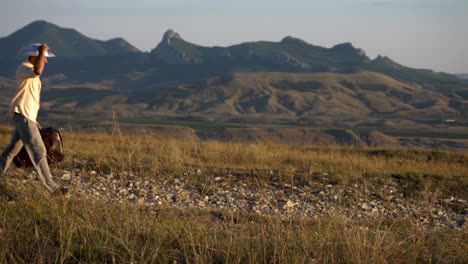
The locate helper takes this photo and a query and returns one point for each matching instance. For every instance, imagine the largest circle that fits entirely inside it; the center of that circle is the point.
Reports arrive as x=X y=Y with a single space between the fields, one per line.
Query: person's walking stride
x=23 y=111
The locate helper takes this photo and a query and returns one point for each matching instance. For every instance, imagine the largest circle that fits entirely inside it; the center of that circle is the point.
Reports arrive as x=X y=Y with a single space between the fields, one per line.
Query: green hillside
x=65 y=43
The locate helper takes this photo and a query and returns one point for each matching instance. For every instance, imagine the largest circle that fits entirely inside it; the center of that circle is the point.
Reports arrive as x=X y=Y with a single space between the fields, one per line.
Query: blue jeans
x=27 y=133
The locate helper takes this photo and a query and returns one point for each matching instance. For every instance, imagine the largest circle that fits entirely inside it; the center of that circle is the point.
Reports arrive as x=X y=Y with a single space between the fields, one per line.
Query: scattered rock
x=448 y=200
x=312 y=199
x=66 y=176
x=289 y=204
x=333 y=198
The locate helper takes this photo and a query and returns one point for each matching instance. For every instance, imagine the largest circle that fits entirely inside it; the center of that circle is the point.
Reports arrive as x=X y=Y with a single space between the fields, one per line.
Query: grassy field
x=446 y=133
x=43 y=230
x=39 y=229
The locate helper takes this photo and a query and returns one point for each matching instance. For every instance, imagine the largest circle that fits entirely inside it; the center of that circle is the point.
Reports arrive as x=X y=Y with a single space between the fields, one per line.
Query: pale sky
x=431 y=34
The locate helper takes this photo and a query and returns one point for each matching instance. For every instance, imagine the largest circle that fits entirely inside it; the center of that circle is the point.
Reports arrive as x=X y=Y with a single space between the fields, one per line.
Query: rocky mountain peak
x=172 y=52
x=385 y=61
x=169 y=36
x=344 y=46
x=348 y=48
x=382 y=59
x=293 y=40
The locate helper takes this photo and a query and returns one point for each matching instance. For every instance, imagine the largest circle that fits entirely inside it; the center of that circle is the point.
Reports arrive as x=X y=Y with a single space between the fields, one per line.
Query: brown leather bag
x=54 y=146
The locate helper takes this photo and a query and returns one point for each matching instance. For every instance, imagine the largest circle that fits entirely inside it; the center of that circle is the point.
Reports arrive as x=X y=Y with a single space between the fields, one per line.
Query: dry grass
x=153 y=153
x=150 y=156
x=39 y=229
x=42 y=230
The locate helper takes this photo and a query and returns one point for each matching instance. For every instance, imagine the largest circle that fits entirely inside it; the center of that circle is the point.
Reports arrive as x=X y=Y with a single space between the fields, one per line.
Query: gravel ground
x=246 y=192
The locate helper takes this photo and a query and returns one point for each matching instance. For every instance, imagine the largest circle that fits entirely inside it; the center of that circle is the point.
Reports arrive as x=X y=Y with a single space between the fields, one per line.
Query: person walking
x=23 y=111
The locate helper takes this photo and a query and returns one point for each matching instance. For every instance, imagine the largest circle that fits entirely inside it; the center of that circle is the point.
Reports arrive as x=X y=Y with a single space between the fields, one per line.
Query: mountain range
x=287 y=82
x=462 y=75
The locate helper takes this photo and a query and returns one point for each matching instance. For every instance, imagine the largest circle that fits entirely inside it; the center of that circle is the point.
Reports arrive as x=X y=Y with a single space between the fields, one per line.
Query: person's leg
x=9 y=153
x=32 y=140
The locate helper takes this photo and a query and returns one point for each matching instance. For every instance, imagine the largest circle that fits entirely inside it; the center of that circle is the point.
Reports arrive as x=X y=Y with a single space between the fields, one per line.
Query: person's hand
x=43 y=48
x=38 y=125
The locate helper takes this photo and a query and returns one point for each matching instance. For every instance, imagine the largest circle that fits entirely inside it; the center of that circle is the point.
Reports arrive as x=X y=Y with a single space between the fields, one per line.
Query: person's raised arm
x=41 y=60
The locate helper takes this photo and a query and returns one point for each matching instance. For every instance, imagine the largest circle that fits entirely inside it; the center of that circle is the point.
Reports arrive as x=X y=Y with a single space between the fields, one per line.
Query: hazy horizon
x=429 y=34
